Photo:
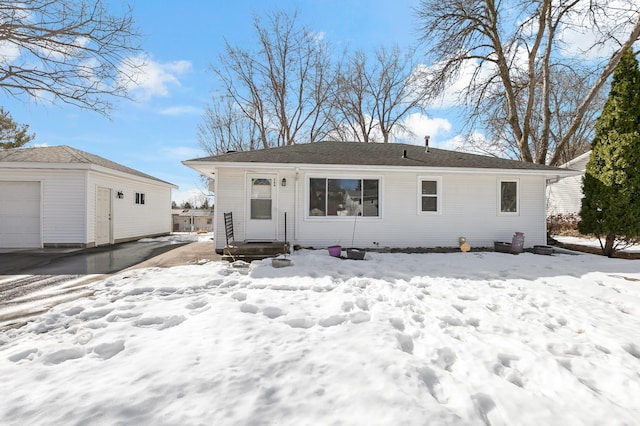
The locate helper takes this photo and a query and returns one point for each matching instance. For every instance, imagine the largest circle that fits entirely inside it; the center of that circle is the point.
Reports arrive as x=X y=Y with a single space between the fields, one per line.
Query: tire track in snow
x=21 y=287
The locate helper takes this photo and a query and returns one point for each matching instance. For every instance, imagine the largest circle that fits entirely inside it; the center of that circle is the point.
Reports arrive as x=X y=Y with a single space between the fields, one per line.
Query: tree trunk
x=608 y=245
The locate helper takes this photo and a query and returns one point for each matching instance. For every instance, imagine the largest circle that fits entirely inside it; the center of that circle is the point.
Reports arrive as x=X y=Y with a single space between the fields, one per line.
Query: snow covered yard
x=398 y=339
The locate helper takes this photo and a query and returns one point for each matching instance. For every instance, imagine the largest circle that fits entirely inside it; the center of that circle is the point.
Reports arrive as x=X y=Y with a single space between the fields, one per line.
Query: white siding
x=231 y=197
x=63 y=202
x=128 y=219
x=565 y=196
x=469 y=208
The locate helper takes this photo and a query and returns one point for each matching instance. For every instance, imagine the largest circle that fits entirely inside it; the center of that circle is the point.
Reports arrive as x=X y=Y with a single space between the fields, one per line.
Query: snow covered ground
x=591 y=242
x=397 y=339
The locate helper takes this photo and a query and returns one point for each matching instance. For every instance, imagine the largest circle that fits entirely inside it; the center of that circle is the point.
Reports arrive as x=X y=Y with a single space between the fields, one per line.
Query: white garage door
x=20 y=215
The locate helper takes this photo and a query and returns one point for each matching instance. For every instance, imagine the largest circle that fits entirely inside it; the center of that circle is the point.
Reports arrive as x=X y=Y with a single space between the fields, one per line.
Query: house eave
x=82 y=166
x=209 y=167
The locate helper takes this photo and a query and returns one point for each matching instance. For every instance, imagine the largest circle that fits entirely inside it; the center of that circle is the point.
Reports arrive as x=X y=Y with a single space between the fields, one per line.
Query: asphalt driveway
x=95 y=260
x=32 y=281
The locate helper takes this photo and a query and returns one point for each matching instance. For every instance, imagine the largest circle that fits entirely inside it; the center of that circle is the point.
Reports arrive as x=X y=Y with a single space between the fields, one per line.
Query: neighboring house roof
x=578 y=163
x=192 y=212
x=370 y=154
x=63 y=154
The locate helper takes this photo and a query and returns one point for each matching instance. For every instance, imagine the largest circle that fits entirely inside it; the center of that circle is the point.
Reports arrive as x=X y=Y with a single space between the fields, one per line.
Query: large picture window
x=508 y=196
x=344 y=197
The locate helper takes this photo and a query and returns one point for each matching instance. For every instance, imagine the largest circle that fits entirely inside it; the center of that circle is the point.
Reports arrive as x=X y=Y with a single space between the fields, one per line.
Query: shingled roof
x=63 y=154
x=371 y=154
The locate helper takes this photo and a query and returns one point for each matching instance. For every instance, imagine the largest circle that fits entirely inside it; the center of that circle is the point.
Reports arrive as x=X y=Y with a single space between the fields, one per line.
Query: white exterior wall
x=63 y=202
x=128 y=219
x=565 y=196
x=200 y=223
x=469 y=208
x=231 y=196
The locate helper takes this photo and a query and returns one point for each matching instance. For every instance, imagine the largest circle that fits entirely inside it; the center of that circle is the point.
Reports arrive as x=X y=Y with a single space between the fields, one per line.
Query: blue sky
x=158 y=130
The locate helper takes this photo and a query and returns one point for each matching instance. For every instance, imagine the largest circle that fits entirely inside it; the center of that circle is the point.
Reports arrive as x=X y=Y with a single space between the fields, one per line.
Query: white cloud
x=61 y=48
x=475 y=143
x=318 y=36
x=580 y=37
x=9 y=52
x=181 y=110
x=451 y=96
x=419 y=126
x=149 y=78
x=456 y=143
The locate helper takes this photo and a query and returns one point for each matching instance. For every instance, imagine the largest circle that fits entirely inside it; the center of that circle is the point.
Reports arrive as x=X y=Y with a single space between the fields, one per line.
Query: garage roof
x=64 y=154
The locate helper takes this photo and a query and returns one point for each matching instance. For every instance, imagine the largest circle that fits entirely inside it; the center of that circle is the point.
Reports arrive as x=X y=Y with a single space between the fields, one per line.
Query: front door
x=261 y=207
x=103 y=216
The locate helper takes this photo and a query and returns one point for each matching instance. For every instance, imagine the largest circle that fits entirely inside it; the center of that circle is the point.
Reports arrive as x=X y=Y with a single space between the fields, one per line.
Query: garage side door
x=20 y=215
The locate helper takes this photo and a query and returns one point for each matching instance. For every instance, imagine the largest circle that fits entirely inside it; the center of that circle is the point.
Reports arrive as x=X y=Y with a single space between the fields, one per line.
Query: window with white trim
x=508 y=199
x=139 y=198
x=429 y=195
x=344 y=197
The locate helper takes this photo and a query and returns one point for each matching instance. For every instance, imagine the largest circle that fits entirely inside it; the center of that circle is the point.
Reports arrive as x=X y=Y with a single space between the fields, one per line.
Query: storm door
x=261 y=207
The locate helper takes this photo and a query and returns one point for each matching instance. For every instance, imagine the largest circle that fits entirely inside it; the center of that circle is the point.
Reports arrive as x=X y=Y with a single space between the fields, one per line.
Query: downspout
x=295 y=206
x=547 y=196
x=216 y=180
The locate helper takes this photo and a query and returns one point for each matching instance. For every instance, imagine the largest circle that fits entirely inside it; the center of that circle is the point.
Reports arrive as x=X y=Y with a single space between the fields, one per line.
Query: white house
x=192 y=220
x=565 y=195
x=414 y=197
x=59 y=196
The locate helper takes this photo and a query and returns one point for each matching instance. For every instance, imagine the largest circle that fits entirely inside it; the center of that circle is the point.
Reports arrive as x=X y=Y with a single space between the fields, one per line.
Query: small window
x=139 y=198
x=429 y=195
x=508 y=196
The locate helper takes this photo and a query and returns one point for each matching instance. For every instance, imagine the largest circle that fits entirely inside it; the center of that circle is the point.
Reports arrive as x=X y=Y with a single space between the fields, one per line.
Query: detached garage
x=62 y=197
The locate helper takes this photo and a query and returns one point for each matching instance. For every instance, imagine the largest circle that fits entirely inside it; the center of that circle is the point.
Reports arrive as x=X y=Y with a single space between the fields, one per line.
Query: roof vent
x=426 y=143
x=230 y=151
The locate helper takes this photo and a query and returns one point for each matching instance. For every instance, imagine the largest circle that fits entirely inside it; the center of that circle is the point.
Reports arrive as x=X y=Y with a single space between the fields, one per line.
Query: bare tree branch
x=282 y=88
x=513 y=94
x=71 y=51
x=374 y=96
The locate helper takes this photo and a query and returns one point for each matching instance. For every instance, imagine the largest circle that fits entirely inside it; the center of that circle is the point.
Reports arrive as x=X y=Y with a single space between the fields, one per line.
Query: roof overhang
x=83 y=167
x=209 y=168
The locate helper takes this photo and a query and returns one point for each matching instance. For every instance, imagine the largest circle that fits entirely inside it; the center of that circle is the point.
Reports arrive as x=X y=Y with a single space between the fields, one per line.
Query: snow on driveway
x=397 y=339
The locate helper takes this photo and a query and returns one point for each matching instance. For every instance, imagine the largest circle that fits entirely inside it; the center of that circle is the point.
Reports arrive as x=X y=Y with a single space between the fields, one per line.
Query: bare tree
x=282 y=88
x=568 y=88
x=373 y=96
x=353 y=101
x=226 y=128
x=71 y=51
x=517 y=65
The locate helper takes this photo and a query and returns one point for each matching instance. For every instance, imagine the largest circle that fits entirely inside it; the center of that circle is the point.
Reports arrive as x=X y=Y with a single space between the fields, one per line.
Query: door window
x=261 y=198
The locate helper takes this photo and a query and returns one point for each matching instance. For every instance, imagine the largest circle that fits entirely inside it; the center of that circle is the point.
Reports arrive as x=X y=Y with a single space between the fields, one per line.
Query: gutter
x=204 y=167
